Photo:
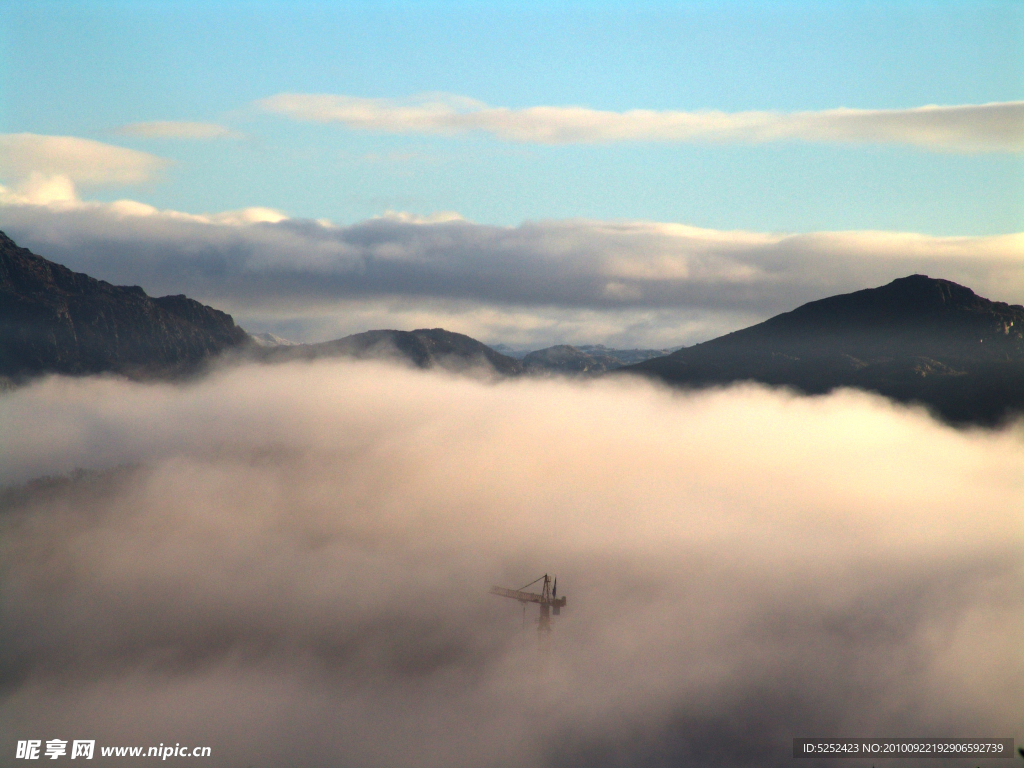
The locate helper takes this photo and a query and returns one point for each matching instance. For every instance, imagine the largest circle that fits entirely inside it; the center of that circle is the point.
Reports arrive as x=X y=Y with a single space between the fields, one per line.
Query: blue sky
x=636 y=174
x=83 y=69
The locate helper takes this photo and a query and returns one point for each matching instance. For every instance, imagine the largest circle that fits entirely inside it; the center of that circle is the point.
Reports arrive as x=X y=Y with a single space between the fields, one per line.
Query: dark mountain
x=424 y=348
x=53 y=320
x=916 y=339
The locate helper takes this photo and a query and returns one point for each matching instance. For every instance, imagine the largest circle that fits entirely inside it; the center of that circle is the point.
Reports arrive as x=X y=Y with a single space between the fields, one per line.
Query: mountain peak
x=921 y=290
x=917 y=338
x=940 y=310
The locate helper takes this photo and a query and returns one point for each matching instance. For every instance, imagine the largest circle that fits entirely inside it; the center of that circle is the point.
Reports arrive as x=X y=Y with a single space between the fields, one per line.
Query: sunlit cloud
x=82 y=161
x=996 y=127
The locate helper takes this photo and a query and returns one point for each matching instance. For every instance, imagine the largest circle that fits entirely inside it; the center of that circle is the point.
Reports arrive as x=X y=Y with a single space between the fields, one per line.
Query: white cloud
x=82 y=161
x=628 y=282
x=40 y=189
x=298 y=568
x=959 y=128
x=170 y=129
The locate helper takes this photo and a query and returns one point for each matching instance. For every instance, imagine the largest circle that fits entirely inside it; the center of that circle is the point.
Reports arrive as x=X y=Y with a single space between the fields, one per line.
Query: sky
x=777 y=119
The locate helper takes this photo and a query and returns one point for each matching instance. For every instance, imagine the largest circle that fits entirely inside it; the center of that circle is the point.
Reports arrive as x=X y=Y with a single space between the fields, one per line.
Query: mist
x=291 y=565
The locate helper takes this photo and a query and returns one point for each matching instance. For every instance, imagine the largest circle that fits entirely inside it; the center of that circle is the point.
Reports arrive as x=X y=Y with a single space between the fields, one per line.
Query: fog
x=291 y=565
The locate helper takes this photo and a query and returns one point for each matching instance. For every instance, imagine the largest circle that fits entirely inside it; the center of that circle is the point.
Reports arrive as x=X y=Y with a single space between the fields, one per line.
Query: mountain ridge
x=55 y=320
x=916 y=340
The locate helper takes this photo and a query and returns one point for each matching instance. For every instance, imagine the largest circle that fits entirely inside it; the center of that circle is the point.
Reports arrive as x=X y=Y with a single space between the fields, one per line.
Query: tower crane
x=548 y=600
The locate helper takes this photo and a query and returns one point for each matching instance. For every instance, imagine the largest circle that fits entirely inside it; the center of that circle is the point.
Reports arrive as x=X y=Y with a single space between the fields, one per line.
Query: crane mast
x=547 y=599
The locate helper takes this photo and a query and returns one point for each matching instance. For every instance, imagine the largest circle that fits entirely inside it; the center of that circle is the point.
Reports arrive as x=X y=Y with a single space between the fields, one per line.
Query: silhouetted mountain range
x=59 y=321
x=916 y=339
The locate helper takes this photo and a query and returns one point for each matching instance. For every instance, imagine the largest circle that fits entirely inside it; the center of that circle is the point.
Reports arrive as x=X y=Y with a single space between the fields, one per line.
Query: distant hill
x=424 y=348
x=270 y=340
x=588 y=359
x=566 y=359
x=624 y=356
x=917 y=339
x=53 y=320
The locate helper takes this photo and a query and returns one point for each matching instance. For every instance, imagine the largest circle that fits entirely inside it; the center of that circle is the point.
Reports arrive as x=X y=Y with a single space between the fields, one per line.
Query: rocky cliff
x=59 y=321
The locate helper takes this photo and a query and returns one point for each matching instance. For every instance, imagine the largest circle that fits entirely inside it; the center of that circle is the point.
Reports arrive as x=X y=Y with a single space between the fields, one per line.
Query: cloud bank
x=296 y=571
x=997 y=127
x=625 y=282
x=172 y=129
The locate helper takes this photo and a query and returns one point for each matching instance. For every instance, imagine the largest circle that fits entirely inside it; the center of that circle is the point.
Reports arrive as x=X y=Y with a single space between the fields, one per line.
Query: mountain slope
x=53 y=320
x=424 y=348
x=916 y=339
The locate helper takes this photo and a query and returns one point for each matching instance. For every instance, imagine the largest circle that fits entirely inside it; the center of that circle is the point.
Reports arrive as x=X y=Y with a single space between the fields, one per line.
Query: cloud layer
x=295 y=574
x=997 y=127
x=628 y=282
x=82 y=161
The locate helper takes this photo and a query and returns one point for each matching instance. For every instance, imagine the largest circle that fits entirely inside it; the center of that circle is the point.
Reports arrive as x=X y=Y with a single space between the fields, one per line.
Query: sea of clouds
x=290 y=564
